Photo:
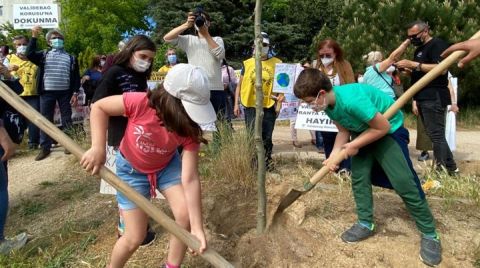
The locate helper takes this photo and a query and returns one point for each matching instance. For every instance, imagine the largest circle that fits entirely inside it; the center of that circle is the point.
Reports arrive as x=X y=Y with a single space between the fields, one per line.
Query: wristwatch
x=419 y=67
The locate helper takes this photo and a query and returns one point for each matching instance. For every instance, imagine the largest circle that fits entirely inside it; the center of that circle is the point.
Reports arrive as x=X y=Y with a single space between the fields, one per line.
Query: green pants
x=387 y=152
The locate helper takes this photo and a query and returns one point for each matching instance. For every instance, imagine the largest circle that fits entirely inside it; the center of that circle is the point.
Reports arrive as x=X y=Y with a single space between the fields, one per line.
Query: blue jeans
x=268 y=124
x=33 y=130
x=47 y=109
x=433 y=115
x=318 y=140
x=328 y=142
x=3 y=195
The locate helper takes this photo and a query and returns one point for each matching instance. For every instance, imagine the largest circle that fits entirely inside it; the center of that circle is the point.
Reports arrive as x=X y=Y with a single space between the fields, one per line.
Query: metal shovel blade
x=291 y=197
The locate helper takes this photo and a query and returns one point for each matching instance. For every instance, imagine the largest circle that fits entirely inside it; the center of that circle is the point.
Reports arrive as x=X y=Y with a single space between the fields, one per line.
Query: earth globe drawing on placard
x=283 y=79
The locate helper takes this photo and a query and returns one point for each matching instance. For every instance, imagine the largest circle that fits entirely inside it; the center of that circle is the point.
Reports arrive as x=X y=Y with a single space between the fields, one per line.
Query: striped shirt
x=57 y=70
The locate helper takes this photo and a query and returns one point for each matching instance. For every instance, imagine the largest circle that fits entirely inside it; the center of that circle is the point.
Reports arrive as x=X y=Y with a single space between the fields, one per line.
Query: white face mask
x=326 y=61
x=22 y=50
x=140 y=65
x=390 y=69
x=265 y=51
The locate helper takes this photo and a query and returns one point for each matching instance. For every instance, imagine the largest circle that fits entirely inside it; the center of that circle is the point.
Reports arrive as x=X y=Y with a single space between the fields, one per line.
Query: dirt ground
x=307 y=234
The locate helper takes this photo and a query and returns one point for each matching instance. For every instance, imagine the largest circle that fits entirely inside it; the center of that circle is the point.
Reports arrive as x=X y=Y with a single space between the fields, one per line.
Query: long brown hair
x=136 y=43
x=342 y=66
x=172 y=114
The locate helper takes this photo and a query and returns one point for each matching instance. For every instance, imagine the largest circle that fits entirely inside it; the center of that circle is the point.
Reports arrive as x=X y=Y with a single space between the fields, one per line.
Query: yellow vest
x=27 y=72
x=164 y=69
x=247 y=91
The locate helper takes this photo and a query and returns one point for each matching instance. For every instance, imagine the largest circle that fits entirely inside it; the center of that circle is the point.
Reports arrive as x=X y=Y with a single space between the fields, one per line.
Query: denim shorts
x=167 y=177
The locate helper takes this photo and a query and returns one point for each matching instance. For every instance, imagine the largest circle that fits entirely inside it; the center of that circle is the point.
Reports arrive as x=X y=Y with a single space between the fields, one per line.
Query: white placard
x=79 y=112
x=289 y=110
x=311 y=120
x=25 y=16
x=451 y=122
x=285 y=76
x=106 y=188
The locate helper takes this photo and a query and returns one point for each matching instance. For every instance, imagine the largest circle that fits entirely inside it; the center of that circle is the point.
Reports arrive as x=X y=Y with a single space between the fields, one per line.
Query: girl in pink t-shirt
x=158 y=122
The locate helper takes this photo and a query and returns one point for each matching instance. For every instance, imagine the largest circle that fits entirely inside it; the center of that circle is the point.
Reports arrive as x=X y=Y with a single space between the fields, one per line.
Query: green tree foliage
x=290 y=32
x=100 y=24
x=380 y=25
x=85 y=59
x=232 y=20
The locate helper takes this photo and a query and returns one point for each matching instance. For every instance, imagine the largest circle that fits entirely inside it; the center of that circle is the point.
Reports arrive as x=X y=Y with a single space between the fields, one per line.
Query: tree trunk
x=262 y=195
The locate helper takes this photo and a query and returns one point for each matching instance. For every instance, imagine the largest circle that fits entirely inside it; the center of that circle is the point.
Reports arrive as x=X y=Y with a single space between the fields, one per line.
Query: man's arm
x=32 y=54
x=435 y=52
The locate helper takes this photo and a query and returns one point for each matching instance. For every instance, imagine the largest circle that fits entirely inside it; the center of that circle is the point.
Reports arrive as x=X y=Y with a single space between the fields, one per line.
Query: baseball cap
x=189 y=83
x=53 y=31
x=265 y=38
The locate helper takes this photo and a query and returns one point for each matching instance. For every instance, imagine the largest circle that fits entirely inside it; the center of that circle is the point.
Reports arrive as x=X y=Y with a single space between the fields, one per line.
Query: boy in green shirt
x=379 y=151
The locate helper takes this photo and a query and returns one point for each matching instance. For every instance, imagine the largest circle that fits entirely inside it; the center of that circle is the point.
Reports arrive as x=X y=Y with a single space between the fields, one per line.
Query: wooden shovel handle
x=36 y=118
x=337 y=158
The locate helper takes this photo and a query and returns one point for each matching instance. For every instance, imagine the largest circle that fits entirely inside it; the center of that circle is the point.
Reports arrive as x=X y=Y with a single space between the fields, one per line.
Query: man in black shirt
x=432 y=103
x=433 y=99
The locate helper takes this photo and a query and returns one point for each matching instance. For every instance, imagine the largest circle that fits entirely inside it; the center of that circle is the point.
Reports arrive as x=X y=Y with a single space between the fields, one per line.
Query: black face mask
x=416 y=41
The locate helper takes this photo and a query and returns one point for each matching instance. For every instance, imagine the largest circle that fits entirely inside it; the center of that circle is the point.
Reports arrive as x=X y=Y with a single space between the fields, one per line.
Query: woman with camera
x=205 y=51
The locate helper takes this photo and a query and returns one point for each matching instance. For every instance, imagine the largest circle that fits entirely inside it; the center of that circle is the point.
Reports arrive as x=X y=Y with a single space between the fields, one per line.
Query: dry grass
x=454 y=187
x=230 y=158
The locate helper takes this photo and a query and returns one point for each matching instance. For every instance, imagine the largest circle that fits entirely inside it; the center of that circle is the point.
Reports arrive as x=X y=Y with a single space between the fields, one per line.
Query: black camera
x=199 y=17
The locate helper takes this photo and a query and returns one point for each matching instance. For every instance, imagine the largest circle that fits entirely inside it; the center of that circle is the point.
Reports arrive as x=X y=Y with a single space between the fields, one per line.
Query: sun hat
x=189 y=83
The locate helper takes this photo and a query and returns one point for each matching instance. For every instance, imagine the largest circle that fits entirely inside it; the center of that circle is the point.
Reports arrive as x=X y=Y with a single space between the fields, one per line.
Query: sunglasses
x=328 y=56
x=415 y=35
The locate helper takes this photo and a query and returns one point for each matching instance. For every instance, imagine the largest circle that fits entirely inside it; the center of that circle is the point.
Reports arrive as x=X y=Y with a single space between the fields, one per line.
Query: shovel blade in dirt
x=442 y=67
x=293 y=195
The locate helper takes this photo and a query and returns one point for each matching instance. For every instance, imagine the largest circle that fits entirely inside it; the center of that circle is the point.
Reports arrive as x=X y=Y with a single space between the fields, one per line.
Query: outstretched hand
x=470 y=46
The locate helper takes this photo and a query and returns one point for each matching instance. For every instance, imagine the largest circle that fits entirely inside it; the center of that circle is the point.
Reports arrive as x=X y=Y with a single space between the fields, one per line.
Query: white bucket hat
x=189 y=83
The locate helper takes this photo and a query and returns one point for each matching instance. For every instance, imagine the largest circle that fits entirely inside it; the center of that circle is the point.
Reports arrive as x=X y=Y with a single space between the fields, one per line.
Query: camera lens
x=199 y=21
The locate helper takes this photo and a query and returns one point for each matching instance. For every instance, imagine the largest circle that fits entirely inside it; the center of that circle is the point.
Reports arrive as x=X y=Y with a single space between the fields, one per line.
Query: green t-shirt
x=357 y=104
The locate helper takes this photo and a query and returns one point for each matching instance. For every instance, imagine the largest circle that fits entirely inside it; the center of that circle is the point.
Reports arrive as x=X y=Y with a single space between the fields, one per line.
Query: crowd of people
x=156 y=134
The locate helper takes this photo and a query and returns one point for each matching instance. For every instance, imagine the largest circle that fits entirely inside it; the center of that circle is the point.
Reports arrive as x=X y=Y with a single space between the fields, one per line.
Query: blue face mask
x=172 y=59
x=56 y=43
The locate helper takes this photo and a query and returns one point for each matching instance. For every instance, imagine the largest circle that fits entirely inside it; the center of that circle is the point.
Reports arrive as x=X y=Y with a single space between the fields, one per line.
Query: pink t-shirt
x=147 y=145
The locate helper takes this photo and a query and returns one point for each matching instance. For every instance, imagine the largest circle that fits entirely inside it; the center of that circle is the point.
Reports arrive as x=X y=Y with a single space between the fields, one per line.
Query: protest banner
x=25 y=16
x=79 y=112
x=311 y=120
